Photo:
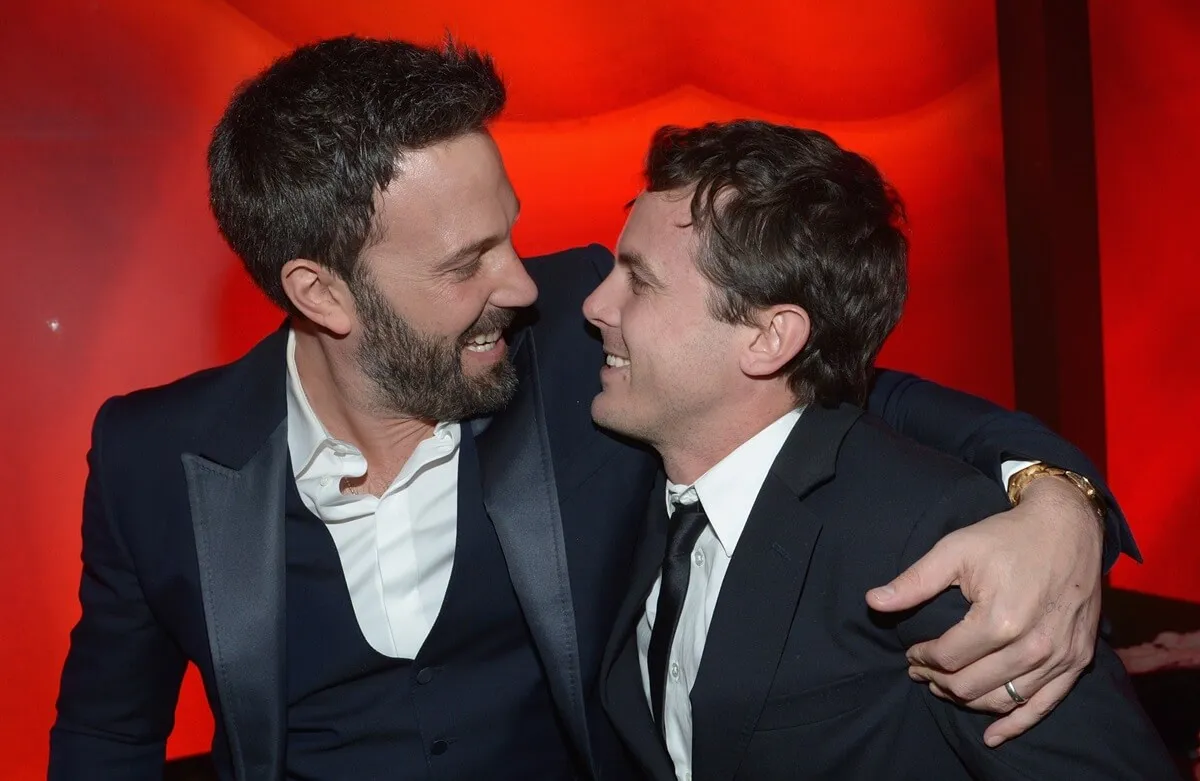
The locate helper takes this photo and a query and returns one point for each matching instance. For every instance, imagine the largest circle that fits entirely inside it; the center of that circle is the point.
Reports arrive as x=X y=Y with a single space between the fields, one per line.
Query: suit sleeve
x=985 y=436
x=121 y=679
x=1098 y=732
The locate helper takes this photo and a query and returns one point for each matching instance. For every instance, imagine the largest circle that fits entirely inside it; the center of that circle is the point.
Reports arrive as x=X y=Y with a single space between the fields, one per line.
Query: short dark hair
x=302 y=149
x=785 y=215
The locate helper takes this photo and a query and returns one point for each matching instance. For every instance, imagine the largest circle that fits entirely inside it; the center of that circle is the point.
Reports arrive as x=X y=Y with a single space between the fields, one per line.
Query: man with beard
x=390 y=537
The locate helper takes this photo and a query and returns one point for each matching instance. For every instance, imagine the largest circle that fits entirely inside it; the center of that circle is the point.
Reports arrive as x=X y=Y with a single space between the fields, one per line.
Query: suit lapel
x=759 y=595
x=647 y=563
x=622 y=691
x=521 y=498
x=236 y=495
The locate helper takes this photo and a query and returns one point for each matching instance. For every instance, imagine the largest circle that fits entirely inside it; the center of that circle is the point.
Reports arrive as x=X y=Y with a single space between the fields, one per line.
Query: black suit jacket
x=799 y=679
x=183 y=549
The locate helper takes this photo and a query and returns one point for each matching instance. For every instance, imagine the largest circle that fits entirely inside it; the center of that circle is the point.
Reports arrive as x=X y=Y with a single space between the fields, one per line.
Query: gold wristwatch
x=1022 y=479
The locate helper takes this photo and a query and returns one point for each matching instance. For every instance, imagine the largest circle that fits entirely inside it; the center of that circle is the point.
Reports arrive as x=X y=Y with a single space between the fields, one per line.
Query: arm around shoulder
x=1099 y=731
x=987 y=436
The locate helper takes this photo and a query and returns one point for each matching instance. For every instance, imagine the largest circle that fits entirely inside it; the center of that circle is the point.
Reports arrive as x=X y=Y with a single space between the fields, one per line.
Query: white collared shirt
x=728 y=491
x=396 y=550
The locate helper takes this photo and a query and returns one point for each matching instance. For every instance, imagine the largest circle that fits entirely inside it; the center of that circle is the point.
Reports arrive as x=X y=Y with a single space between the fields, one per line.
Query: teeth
x=491 y=338
x=483 y=342
x=614 y=361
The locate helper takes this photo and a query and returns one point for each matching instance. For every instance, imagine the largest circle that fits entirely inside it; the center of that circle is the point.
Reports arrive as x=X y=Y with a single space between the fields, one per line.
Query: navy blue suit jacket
x=183 y=547
x=801 y=680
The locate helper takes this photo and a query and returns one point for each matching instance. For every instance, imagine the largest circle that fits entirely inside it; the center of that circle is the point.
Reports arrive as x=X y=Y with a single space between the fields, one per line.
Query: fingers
x=1034 y=710
x=929 y=576
x=965 y=643
x=980 y=686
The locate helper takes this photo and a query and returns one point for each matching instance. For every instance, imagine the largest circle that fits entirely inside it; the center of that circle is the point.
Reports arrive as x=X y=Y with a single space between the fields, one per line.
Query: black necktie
x=687 y=522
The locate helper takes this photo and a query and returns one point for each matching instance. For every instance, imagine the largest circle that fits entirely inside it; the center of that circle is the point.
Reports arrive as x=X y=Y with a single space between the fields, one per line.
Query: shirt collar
x=306 y=434
x=729 y=489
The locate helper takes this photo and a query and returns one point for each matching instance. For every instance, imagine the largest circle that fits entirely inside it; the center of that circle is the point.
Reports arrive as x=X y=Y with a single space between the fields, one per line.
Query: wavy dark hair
x=302 y=150
x=786 y=216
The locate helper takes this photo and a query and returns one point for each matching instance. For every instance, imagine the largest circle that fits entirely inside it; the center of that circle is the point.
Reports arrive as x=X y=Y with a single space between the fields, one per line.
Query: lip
x=613 y=373
x=486 y=356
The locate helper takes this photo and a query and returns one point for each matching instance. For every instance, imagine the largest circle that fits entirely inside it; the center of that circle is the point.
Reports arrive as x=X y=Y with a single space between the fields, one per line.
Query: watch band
x=1019 y=481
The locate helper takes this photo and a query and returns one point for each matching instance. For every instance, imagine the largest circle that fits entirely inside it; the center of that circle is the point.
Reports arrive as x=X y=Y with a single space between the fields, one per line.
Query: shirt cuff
x=1010 y=468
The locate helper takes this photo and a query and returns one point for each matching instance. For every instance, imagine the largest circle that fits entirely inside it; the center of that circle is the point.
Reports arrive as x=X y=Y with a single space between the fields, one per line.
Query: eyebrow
x=636 y=262
x=461 y=256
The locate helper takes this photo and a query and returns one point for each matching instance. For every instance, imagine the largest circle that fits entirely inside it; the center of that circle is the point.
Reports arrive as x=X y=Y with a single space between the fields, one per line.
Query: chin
x=610 y=416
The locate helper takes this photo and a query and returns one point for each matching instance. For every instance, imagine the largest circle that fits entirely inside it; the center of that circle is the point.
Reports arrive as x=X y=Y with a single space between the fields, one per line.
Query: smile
x=614 y=361
x=483 y=342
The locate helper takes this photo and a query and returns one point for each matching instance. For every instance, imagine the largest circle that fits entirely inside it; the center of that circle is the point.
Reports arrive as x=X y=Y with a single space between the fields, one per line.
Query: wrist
x=1039 y=479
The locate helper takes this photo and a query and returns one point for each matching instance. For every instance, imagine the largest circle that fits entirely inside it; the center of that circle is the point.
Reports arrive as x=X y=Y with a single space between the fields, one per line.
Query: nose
x=517 y=289
x=600 y=308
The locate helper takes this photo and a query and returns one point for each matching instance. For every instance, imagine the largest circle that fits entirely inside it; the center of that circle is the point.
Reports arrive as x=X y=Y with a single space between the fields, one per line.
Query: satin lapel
x=237 y=516
x=622 y=691
x=521 y=498
x=759 y=595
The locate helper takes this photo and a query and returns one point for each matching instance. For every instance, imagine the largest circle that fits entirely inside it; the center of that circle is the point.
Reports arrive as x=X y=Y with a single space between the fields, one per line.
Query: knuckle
x=945 y=660
x=1003 y=704
x=1039 y=650
x=961 y=690
x=1006 y=628
x=910 y=578
x=1039 y=710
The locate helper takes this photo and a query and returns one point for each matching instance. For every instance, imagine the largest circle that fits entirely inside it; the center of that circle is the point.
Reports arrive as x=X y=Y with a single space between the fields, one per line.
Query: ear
x=778 y=336
x=319 y=294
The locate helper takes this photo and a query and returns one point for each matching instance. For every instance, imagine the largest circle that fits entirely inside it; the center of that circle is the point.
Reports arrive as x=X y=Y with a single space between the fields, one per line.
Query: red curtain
x=1146 y=84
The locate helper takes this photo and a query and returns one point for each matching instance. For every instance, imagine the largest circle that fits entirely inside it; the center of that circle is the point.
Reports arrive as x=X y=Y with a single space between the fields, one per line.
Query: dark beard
x=421 y=376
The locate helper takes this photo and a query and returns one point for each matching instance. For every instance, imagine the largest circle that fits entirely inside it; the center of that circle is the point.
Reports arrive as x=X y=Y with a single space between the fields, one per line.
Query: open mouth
x=483 y=343
x=615 y=361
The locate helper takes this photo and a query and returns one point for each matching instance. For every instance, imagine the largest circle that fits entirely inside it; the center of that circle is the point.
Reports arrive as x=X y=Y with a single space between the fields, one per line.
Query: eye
x=636 y=284
x=468 y=270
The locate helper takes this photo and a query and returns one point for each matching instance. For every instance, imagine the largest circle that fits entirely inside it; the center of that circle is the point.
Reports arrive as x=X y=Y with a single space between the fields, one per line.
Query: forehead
x=659 y=228
x=445 y=195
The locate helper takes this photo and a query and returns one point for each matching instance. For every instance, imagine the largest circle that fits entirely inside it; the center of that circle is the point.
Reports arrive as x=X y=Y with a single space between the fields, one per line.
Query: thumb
x=928 y=576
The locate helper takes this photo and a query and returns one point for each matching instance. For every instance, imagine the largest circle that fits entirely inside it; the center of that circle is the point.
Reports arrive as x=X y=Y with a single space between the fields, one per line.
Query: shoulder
x=566 y=278
x=568 y=347
x=872 y=443
x=903 y=483
x=186 y=409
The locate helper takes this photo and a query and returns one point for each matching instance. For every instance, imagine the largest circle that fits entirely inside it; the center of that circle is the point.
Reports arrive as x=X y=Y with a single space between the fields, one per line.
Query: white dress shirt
x=728 y=491
x=396 y=550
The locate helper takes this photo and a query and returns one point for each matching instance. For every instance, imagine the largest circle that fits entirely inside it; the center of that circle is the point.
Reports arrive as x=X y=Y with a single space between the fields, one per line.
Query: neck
x=702 y=444
x=344 y=403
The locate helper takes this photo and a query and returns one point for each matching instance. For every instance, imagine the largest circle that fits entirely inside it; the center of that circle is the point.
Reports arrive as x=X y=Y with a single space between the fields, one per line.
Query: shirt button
x=425 y=675
x=324 y=482
x=698 y=557
x=674 y=671
x=439 y=747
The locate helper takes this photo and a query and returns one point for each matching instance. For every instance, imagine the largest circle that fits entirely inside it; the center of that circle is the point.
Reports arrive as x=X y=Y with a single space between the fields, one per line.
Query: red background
x=115 y=276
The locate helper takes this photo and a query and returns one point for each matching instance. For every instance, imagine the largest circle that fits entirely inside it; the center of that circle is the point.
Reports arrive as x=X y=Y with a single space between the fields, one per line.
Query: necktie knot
x=687 y=522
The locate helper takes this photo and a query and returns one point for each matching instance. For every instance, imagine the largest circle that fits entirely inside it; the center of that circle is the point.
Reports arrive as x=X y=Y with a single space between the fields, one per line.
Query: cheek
x=449 y=309
x=656 y=341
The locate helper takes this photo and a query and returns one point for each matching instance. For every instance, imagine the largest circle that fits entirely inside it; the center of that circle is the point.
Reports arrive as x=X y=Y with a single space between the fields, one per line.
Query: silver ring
x=1012 y=692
